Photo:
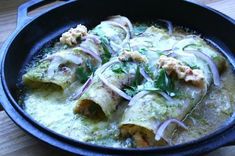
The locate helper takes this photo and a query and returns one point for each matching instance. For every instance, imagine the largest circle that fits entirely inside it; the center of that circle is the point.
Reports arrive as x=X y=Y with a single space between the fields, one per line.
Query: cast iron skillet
x=33 y=33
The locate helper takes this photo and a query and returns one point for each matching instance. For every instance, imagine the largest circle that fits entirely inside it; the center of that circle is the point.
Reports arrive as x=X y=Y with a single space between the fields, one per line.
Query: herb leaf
x=148 y=71
x=131 y=91
x=138 y=77
x=192 y=66
x=163 y=82
x=83 y=73
x=142 y=50
x=104 y=43
x=90 y=67
x=106 y=55
x=119 y=68
x=133 y=88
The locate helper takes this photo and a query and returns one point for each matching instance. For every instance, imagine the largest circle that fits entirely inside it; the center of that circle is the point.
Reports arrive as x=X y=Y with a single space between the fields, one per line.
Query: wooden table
x=15 y=142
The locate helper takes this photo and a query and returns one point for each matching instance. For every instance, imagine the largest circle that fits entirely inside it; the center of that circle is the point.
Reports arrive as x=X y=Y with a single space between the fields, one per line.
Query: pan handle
x=31 y=5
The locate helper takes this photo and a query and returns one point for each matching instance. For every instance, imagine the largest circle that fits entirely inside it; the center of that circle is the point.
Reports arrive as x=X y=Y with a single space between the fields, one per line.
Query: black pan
x=33 y=33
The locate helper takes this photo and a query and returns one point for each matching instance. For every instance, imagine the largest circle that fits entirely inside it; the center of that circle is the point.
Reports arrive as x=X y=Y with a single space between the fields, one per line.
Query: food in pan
x=130 y=85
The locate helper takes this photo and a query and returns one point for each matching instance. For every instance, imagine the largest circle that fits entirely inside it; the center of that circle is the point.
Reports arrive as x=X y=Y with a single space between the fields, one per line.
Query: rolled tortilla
x=63 y=65
x=153 y=43
x=193 y=42
x=142 y=119
x=99 y=100
x=153 y=39
x=38 y=74
x=113 y=33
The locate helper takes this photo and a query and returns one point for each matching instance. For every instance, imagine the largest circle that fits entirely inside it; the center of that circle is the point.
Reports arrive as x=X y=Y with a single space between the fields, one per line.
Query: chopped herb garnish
x=194 y=67
x=83 y=73
x=138 y=77
x=133 y=88
x=191 y=66
x=130 y=90
x=106 y=55
x=119 y=68
x=104 y=40
x=163 y=82
x=148 y=71
x=90 y=67
x=104 y=43
x=142 y=50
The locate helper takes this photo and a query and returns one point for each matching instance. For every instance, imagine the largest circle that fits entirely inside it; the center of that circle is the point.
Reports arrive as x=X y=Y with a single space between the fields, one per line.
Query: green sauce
x=50 y=107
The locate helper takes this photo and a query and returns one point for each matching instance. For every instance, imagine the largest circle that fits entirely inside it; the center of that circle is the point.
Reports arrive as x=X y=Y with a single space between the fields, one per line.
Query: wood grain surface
x=14 y=141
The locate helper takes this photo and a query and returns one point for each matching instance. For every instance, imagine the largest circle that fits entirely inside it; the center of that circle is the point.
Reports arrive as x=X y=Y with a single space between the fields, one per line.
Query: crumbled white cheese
x=70 y=37
x=174 y=66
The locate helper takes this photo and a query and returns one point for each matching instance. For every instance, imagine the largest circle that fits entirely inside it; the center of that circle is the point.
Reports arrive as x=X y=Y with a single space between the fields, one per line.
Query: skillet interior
x=28 y=42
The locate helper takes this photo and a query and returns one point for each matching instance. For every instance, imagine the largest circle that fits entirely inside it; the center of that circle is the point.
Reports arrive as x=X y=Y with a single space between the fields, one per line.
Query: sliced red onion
x=137 y=97
x=54 y=65
x=111 y=86
x=93 y=37
x=81 y=91
x=106 y=65
x=211 y=64
x=169 y=26
x=114 y=88
x=182 y=43
x=57 y=59
x=162 y=127
x=124 y=20
x=122 y=27
x=72 y=58
x=145 y=75
x=115 y=46
x=130 y=26
x=93 y=54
